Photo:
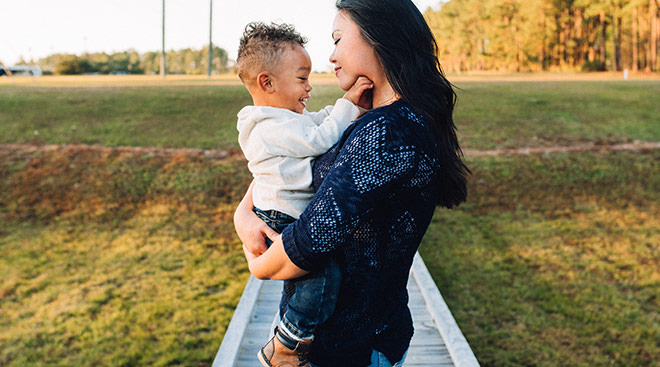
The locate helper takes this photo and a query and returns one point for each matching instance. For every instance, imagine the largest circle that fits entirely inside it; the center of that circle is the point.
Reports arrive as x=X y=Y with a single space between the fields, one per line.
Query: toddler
x=280 y=139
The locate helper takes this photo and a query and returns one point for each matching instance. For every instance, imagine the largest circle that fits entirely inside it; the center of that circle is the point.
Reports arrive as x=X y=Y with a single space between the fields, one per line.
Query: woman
x=376 y=190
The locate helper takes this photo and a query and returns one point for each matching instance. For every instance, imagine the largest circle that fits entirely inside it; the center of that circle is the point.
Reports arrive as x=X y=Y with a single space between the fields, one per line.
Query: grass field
x=489 y=115
x=554 y=260
x=122 y=259
x=117 y=259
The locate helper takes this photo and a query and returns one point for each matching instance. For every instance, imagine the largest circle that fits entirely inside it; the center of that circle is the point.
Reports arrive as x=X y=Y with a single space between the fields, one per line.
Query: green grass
x=498 y=115
x=157 y=289
x=123 y=259
x=554 y=260
x=117 y=259
x=134 y=116
x=181 y=116
x=489 y=115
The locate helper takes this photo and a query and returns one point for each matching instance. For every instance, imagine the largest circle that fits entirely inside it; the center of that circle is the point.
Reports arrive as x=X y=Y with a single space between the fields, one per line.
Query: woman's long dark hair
x=408 y=52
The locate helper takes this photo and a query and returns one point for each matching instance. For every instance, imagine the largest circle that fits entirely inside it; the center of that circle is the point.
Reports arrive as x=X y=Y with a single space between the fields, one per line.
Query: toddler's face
x=291 y=79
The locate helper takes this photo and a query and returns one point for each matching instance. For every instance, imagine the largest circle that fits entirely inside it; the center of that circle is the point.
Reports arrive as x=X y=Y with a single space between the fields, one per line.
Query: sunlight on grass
x=488 y=115
x=122 y=259
x=117 y=258
x=157 y=288
x=559 y=271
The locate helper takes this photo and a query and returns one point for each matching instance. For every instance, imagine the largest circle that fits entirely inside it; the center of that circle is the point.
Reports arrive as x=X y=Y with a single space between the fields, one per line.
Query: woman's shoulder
x=397 y=124
x=397 y=113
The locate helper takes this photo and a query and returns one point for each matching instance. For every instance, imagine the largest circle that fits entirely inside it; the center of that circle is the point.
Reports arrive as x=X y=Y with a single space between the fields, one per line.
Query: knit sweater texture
x=376 y=191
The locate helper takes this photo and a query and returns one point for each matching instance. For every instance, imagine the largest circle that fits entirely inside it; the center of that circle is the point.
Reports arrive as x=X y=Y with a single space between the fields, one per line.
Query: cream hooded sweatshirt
x=280 y=146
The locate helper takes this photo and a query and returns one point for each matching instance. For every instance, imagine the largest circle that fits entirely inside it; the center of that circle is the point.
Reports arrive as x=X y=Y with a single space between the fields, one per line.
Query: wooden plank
x=430 y=345
x=258 y=330
x=229 y=348
x=458 y=347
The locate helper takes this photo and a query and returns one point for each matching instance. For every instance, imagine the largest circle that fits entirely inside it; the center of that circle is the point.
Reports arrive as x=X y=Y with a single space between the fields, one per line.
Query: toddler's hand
x=360 y=93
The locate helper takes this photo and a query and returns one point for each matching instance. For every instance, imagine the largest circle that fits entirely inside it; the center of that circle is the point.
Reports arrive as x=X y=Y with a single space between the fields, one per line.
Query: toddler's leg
x=312 y=304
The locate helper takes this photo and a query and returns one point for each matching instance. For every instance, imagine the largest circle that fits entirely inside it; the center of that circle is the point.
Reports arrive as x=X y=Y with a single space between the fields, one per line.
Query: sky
x=32 y=29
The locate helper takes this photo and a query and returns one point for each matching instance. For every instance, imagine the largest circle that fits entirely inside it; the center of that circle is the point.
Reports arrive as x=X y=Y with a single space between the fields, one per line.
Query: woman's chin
x=345 y=86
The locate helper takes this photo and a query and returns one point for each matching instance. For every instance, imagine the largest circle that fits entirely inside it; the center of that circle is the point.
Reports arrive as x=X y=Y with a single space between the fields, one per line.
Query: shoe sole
x=262 y=359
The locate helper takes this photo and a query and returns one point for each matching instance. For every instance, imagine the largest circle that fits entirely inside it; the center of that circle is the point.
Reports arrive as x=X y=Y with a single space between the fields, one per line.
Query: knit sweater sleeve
x=372 y=160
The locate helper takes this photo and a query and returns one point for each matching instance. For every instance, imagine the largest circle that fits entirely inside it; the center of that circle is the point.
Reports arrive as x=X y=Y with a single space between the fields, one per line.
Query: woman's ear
x=265 y=82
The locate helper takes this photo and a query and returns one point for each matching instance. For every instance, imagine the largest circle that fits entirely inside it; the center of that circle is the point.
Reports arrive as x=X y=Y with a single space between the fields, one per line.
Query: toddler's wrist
x=348 y=98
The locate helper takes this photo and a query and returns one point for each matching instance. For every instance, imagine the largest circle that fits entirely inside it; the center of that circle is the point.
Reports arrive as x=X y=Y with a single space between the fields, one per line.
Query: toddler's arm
x=314 y=138
x=300 y=136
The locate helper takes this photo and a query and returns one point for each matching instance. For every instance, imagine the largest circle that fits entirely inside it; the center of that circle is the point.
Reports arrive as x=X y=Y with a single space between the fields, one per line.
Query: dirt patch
x=636 y=146
x=214 y=154
x=167 y=152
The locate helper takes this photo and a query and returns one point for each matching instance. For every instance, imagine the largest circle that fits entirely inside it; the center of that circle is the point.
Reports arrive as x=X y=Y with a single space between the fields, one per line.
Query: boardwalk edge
x=458 y=347
x=230 y=346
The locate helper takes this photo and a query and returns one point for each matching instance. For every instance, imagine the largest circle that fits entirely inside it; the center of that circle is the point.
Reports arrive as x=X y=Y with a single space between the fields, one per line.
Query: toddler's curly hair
x=261 y=46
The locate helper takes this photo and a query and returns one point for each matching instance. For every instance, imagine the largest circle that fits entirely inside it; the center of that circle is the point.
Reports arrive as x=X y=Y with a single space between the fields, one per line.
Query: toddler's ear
x=265 y=82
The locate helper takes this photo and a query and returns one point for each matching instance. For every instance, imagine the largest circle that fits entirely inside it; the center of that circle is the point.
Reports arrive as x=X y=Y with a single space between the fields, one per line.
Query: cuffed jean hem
x=292 y=331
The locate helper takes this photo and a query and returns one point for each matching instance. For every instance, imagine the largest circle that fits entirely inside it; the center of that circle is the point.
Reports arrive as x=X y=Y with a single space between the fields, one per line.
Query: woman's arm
x=264 y=263
x=377 y=159
x=274 y=263
x=250 y=229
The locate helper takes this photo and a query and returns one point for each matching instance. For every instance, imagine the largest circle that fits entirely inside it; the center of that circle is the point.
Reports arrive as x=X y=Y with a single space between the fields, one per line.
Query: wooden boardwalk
x=437 y=342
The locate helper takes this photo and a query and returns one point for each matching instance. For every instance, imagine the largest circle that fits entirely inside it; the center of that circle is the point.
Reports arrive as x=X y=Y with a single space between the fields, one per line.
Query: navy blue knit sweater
x=376 y=191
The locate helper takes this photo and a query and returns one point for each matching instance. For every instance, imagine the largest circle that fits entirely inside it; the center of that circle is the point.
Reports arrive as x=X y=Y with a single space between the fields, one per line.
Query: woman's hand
x=250 y=229
x=360 y=93
x=274 y=263
x=264 y=263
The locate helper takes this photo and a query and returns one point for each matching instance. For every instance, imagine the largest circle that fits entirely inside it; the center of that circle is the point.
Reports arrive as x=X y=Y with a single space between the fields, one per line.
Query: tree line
x=184 y=61
x=554 y=35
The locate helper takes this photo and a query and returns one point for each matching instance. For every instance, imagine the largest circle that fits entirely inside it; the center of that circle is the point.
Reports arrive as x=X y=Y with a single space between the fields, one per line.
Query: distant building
x=20 y=70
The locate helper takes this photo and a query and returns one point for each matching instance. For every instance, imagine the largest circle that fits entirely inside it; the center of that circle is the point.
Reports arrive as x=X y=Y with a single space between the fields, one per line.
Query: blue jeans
x=316 y=293
x=378 y=359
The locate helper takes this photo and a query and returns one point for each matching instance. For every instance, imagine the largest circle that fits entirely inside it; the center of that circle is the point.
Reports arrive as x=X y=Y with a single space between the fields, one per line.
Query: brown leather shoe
x=275 y=354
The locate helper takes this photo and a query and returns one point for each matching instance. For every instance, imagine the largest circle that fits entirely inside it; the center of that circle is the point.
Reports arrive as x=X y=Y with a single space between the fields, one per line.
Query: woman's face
x=353 y=56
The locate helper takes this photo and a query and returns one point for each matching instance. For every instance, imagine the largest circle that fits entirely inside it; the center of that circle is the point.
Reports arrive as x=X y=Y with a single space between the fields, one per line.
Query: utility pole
x=210 y=39
x=163 y=65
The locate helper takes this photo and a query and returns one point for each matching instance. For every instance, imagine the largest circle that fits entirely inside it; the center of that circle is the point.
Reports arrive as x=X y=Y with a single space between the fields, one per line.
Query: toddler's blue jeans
x=316 y=293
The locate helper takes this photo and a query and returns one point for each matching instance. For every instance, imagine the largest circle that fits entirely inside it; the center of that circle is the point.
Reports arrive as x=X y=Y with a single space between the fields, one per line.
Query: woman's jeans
x=378 y=359
x=316 y=293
